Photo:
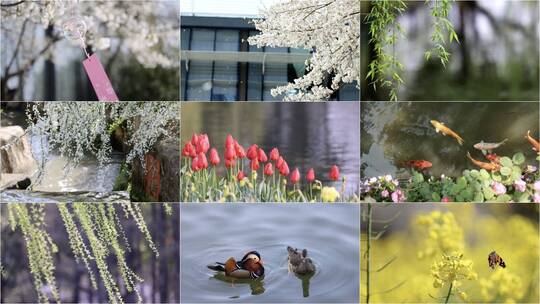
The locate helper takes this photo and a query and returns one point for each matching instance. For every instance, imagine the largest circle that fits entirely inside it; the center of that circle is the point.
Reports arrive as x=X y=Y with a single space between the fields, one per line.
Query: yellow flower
x=463 y=296
x=329 y=194
x=253 y=175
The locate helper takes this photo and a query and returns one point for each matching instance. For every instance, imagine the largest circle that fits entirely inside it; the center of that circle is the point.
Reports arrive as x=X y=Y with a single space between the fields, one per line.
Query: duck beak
x=261 y=262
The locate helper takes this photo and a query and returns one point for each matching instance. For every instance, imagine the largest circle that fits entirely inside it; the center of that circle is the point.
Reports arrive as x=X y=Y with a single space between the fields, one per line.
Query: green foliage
x=384 y=30
x=472 y=186
x=39 y=245
x=382 y=17
x=441 y=24
x=151 y=83
x=95 y=233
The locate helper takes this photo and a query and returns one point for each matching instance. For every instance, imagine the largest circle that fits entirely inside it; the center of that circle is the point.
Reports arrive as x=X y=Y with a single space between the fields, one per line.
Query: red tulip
x=240 y=176
x=284 y=169
x=214 y=157
x=194 y=140
x=240 y=153
x=229 y=141
x=230 y=154
x=268 y=169
x=262 y=156
x=204 y=144
x=274 y=154
x=189 y=150
x=310 y=176
x=203 y=162
x=195 y=164
x=252 y=152
x=334 y=173
x=279 y=163
x=295 y=176
x=229 y=163
x=255 y=164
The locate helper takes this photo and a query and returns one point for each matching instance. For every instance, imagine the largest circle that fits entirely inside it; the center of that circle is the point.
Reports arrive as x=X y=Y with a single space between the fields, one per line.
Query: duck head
x=299 y=263
x=252 y=261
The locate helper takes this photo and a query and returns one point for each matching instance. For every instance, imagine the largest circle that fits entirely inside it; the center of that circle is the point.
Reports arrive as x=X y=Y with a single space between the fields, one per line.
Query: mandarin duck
x=250 y=267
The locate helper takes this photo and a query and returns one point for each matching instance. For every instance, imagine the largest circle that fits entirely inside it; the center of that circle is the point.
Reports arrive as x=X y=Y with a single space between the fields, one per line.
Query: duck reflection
x=256 y=285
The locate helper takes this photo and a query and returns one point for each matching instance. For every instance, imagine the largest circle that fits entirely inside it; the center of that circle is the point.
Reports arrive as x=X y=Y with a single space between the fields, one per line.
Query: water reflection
x=256 y=286
x=329 y=232
x=307 y=134
x=397 y=132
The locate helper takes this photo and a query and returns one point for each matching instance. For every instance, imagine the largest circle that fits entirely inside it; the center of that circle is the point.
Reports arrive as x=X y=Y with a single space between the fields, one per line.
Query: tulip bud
x=334 y=173
x=284 y=169
x=255 y=164
x=274 y=154
x=268 y=169
x=229 y=153
x=203 y=162
x=240 y=153
x=295 y=176
x=253 y=152
x=214 y=157
x=310 y=176
x=240 y=176
x=229 y=141
x=262 y=156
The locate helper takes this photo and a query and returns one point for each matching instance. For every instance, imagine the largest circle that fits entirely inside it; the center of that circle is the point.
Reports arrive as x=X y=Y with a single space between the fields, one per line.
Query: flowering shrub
x=514 y=182
x=251 y=175
x=78 y=129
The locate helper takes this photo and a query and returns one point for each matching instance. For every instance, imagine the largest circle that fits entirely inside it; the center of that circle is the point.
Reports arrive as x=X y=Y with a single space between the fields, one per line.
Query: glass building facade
x=218 y=64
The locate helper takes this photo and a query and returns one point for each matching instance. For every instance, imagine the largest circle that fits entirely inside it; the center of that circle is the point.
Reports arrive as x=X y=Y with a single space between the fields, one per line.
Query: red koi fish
x=417 y=164
x=492 y=157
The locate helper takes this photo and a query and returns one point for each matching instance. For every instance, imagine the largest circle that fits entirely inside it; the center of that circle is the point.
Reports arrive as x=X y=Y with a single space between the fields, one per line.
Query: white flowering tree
x=329 y=28
x=148 y=30
x=77 y=129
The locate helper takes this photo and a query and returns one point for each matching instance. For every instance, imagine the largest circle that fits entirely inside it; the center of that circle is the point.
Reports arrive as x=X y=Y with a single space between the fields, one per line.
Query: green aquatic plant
x=515 y=181
x=95 y=233
x=385 y=30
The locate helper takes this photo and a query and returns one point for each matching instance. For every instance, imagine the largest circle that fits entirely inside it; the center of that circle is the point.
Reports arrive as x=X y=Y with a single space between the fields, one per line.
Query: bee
x=494 y=259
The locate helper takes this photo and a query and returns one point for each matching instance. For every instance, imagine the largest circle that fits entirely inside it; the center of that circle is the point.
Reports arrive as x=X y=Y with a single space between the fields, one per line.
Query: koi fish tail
x=505 y=140
x=460 y=140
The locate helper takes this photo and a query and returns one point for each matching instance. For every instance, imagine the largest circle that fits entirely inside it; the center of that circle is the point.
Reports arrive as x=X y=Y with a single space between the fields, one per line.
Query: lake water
x=214 y=232
x=397 y=132
x=316 y=135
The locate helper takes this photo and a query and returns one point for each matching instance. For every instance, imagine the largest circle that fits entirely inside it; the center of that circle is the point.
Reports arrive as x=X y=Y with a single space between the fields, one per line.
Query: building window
x=215 y=73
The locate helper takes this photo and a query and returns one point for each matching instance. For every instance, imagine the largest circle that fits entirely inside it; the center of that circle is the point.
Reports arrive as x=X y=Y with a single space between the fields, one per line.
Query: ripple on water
x=329 y=234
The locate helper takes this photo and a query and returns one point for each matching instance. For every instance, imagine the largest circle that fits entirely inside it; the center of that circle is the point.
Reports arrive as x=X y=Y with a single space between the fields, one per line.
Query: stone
x=17 y=163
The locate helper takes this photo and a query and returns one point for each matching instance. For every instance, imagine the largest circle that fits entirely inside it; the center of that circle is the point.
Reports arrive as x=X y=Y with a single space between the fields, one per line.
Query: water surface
x=214 y=232
x=316 y=135
x=397 y=132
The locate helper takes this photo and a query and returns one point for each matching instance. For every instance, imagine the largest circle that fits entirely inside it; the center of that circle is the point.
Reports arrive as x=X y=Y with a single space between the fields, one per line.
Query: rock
x=17 y=163
x=161 y=179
